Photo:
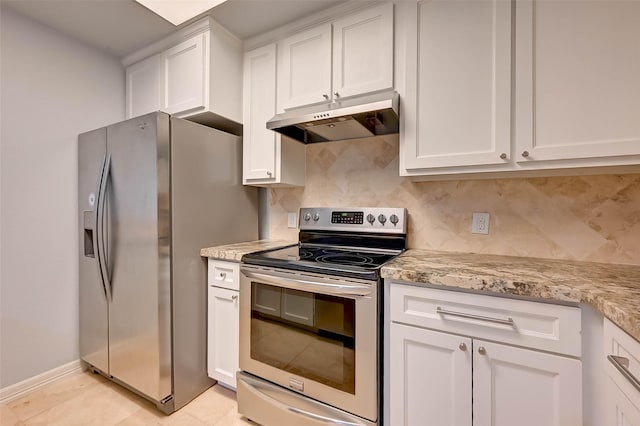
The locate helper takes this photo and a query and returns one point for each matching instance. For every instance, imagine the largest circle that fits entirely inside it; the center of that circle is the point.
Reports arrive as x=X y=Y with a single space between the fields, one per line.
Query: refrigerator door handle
x=96 y=224
x=100 y=223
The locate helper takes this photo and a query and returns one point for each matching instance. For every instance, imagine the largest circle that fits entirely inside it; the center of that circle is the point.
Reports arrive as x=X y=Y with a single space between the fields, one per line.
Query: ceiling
x=121 y=27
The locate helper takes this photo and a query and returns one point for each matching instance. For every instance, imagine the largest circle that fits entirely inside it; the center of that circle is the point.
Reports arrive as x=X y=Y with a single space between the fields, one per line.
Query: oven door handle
x=337 y=288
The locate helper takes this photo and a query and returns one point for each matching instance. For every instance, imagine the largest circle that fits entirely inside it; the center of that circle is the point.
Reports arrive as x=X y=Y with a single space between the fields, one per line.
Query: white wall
x=52 y=88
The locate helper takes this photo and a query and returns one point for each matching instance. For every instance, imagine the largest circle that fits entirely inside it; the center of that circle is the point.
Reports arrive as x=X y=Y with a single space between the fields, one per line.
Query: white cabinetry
x=195 y=73
x=430 y=377
x=315 y=68
x=268 y=158
x=515 y=386
x=184 y=67
x=304 y=68
x=578 y=80
x=575 y=69
x=621 y=358
x=144 y=86
x=457 y=371
x=223 y=321
x=461 y=90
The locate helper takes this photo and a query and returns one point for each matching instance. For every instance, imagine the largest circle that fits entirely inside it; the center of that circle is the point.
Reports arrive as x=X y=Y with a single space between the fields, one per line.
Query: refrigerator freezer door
x=139 y=254
x=93 y=308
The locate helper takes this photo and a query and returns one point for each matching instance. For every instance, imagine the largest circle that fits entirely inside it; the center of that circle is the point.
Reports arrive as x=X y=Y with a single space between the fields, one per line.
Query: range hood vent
x=352 y=118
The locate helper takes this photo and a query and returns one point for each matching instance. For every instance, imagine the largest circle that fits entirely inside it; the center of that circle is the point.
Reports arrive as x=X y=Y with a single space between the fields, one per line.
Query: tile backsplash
x=593 y=218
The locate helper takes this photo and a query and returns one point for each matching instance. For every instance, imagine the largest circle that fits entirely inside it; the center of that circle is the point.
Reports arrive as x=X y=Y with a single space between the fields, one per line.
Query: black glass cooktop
x=354 y=262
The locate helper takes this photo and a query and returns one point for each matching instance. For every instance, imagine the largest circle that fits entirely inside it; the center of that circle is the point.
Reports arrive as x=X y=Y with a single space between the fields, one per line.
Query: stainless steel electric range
x=310 y=320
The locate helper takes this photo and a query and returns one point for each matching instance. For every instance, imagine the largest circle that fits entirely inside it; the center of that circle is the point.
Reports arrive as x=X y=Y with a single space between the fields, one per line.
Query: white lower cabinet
x=222 y=357
x=621 y=358
x=430 y=377
x=442 y=378
x=515 y=386
x=223 y=322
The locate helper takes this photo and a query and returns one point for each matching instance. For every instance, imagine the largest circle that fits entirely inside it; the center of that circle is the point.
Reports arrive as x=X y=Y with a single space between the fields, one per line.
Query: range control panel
x=355 y=218
x=358 y=219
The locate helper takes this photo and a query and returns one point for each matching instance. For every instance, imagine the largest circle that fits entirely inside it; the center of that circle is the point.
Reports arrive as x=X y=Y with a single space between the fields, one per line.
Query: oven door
x=314 y=334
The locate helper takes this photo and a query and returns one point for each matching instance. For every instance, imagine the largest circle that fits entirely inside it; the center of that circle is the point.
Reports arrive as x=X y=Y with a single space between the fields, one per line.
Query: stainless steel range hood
x=352 y=118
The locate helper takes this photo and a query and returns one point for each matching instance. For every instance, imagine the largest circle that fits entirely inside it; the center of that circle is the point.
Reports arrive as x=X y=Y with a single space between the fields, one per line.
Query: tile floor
x=89 y=399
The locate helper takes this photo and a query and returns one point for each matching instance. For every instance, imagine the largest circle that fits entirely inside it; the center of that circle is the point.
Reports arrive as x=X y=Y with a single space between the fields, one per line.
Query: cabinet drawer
x=536 y=325
x=224 y=274
x=627 y=350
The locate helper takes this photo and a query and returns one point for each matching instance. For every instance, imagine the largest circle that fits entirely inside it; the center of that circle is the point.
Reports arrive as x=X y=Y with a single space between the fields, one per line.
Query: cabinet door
x=578 y=85
x=463 y=104
x=144 y=87
x=223 y=335
x=184 y=69
x=363 y=52
x=430 y=377
x=259 y=106
x=619 y=409
x=514 y=386
x=305 y=68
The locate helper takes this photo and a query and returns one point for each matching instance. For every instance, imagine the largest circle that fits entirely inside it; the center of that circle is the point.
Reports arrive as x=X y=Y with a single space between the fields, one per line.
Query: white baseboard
x=22 y=388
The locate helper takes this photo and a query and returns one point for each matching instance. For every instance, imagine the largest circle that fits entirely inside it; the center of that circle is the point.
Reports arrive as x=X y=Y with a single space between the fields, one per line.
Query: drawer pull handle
x=508 y=321
x=223 y=275
x=622 y=364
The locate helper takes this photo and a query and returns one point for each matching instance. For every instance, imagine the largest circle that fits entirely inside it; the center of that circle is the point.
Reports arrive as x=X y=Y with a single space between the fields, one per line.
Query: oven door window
x=307 y=334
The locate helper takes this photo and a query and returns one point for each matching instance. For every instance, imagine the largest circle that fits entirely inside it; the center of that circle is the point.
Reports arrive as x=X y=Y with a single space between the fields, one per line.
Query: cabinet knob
x=525 y=154
x=503 y=156
x=482 y=350
x=336 y=94
x=223 y=275
x=234 y=297
x=324 y=95
x=462 y=347
x=269 y=174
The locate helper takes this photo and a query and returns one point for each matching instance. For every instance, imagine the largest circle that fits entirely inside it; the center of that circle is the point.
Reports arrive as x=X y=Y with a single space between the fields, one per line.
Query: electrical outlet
x=292 y=219
x=480 y=223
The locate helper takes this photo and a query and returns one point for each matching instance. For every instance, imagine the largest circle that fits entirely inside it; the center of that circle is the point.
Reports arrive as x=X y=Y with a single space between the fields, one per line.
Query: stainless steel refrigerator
x=152 y=191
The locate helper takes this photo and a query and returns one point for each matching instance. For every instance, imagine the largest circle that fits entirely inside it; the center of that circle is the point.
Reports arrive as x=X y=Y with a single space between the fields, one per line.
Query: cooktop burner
x=360 y=263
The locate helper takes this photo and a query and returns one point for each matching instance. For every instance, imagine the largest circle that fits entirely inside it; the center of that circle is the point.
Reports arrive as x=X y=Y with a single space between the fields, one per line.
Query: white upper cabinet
x=259 y=104
x=578 y=80
x=363 y=52
x=144 y=87
x=268 y=158
x=195 y=73
x=462 y=85
x=305 y=70
x=574 y=67
x=352 y=56
x=184 y=67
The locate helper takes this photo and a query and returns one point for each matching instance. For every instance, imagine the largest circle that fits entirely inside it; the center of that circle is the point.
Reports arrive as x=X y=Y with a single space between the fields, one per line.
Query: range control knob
x=307 y=217
x=382 y=219
x=371 y=218
x=316 y=216
x=394 y=219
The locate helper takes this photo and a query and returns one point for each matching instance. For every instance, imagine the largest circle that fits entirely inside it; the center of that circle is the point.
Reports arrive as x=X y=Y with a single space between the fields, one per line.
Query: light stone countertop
x=612 y=289
x=234 y=252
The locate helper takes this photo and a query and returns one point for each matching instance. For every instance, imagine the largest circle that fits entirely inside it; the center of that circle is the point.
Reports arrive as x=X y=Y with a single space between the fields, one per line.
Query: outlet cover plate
x=480 y=223
x=292 y=219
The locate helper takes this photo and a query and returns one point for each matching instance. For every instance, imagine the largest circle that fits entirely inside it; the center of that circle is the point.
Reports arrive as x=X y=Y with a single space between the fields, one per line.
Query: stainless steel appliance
x=152 y=191
x=357 y=117
x=310 y=320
